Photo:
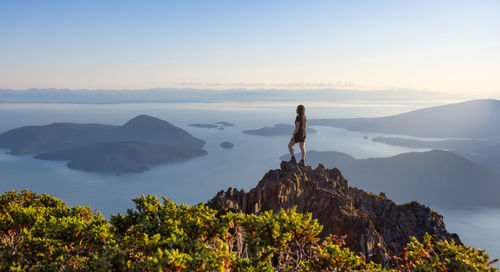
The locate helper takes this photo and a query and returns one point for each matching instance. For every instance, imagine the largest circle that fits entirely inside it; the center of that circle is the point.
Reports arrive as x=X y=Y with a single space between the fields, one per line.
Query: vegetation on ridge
x=41 y=233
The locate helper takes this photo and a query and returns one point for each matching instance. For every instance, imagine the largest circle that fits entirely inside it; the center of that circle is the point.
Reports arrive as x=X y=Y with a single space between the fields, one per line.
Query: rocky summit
x=375 y=226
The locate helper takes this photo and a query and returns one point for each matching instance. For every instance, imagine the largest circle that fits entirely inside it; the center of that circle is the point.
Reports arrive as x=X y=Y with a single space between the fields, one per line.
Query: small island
x=225 y=124
x=203 y=125
x=227 y=145
x=276 y=130
x=220 y=125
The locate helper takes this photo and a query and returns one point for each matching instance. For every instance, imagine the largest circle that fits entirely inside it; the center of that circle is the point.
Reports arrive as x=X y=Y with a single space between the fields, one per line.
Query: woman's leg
x=303 y=149
x=290 y=148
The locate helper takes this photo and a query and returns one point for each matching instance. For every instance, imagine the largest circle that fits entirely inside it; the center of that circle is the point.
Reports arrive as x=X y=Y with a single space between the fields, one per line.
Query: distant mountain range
x=205 y=95
x=437 y=178
x=473 y=119
x=142 y=142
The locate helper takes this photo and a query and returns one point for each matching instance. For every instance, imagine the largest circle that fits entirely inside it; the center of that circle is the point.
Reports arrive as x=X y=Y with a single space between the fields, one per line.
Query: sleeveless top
x=302 y=125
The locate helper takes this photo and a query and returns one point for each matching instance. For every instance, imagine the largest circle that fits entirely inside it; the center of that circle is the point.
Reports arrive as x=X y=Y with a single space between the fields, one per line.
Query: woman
x=299 y=135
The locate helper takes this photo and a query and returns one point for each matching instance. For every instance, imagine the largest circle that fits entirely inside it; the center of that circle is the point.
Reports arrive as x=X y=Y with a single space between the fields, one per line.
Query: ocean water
x=199 y=179
x=479 y=228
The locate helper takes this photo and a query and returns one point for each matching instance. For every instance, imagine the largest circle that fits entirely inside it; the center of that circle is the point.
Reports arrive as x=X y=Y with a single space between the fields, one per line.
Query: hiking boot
x=302 y=163
x=293 y=160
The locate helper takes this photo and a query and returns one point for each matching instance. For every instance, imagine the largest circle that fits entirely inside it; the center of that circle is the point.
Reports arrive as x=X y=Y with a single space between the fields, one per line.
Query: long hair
x=301 y=110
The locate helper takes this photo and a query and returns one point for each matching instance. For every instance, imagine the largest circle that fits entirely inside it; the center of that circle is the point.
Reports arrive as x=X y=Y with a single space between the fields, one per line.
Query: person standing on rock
x=299 y=135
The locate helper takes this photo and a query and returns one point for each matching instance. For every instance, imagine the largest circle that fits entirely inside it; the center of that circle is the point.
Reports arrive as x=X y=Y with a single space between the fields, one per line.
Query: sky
x=444 y=46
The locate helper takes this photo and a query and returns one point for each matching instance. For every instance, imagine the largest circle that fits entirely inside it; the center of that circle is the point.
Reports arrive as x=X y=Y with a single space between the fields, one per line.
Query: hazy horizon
x=447 y=46
x=258 y=94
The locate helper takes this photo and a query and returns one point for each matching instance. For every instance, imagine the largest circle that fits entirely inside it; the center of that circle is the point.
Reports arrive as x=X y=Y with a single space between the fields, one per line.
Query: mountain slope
x=484 y=153
x=472 y=119
x=57 y=136
x=61 y=136
x=121 y=157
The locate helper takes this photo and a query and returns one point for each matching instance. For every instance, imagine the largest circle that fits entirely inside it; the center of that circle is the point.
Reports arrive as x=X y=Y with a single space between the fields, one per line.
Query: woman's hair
x=301 y=110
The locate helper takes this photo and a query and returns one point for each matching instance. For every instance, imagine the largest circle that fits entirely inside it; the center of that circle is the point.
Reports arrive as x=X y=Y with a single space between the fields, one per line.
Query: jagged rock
x=374 y=225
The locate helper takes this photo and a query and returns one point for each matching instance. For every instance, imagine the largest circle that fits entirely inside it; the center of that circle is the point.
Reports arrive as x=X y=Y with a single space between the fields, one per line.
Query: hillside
x=140 y=143
x=121 y=157
x=375 y=226
x=482 y=152
x=472 y=119
x=436 y=178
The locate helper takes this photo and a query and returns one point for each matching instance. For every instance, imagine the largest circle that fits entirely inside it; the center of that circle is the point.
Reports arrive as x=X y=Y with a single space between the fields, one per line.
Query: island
x=220 y=125
x=121 y=157
x=225 y=124
x=227 y=145
x=134 y=147
x=276 y=130
x=203 y=125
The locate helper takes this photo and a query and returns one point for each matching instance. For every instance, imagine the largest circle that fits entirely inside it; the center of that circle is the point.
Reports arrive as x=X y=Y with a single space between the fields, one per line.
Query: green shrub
x=442 y=256
x=40 y=233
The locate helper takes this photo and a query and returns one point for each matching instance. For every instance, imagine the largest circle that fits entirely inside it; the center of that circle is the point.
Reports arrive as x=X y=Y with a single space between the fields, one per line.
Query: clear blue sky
x=449 y=46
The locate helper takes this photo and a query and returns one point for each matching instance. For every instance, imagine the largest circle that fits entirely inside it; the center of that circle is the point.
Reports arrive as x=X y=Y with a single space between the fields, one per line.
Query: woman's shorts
x=299 y=138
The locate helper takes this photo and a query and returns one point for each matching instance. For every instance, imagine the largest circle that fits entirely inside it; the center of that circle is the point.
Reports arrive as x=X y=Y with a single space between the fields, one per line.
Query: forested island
x=134 y=147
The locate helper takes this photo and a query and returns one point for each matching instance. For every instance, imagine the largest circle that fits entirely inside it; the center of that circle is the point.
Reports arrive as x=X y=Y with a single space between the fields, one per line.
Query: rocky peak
x=374 y=225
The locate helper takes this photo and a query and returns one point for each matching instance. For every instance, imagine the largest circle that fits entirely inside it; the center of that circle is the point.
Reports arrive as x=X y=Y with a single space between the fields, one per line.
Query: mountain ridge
x=470 y=119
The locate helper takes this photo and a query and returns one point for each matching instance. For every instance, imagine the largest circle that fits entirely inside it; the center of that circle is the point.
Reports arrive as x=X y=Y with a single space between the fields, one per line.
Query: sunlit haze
x=444 y=46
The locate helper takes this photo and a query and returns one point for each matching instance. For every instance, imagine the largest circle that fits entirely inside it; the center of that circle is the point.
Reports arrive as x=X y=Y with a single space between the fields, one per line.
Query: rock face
x=374 y=225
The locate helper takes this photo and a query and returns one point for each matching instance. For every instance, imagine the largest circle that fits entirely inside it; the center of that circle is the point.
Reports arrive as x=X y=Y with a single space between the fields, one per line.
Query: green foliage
x=375 y=195
x=40 y=233
x=442 y=256
x=332 y=256
x=165 y=236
